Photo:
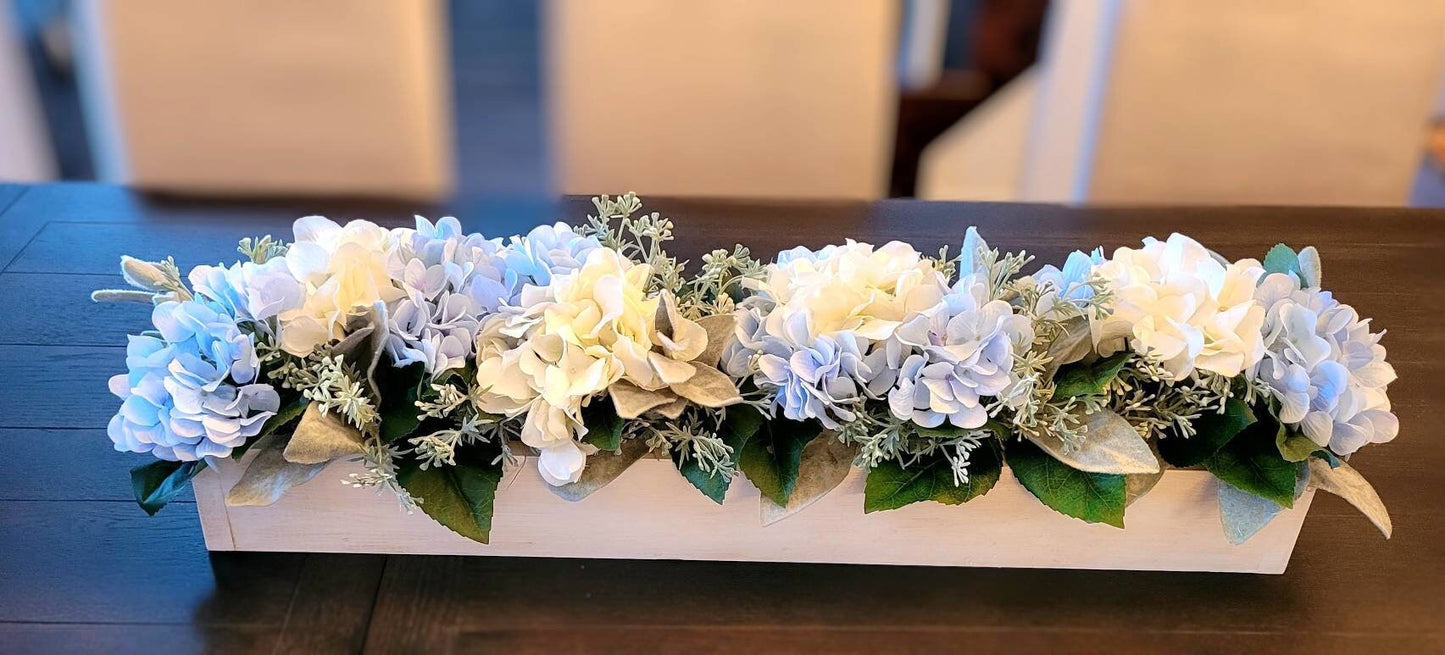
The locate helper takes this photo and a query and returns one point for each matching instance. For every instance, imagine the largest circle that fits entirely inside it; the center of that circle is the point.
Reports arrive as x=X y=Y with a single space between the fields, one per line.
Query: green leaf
x=400 y=387
x=156 y=483
x=738 y=427
x=770 y=459
x=1092 y=497
x=1294 y=446
x=459 y=497
x=1211 y=431
x=1251 y=462
x=604 y=427
x=1085 y=379
x=890 y=486
x=1282 y=259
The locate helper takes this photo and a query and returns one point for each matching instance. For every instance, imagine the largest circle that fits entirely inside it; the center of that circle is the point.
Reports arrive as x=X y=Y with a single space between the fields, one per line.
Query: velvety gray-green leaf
x=1344 y=481
x=602 y=468
x=321 y=437
x=268 y=475
x=1110 y=445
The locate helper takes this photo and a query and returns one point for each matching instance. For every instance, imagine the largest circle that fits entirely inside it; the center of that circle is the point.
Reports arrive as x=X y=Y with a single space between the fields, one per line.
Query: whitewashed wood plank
x=652 y=513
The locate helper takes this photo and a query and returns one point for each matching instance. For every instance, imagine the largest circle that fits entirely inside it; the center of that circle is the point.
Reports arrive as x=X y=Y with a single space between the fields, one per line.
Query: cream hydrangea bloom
x=1179 y=302
x=574 y=338
x=342 y=269
x=809 y=333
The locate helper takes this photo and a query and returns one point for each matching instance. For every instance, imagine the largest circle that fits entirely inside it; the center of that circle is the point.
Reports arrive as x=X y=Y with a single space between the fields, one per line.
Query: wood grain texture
x=84 y=569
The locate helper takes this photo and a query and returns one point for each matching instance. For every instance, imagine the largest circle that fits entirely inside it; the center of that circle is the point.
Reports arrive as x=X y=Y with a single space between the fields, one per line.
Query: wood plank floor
x=83 y=570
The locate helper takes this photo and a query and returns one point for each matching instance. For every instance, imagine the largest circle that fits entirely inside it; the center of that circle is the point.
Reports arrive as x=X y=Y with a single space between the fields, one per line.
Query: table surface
x=83 y=567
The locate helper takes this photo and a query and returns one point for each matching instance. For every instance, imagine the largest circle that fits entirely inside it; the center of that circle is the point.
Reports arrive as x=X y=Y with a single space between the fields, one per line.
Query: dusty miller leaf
x=321 y=437
x=1344 y=481
x=1110 y=445
x=602 y=468
x=269 y=476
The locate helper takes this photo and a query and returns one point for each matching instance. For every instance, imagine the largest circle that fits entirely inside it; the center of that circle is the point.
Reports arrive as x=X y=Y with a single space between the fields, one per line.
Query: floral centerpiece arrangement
x=440 y=358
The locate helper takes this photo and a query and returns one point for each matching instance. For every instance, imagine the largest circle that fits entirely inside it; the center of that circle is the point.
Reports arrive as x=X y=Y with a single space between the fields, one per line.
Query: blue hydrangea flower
x=250 y=291
x=546 y=251
x=192 y=391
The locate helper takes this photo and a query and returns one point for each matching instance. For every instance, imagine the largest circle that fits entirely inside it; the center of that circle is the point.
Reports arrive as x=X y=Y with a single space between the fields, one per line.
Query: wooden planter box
x=651 y=512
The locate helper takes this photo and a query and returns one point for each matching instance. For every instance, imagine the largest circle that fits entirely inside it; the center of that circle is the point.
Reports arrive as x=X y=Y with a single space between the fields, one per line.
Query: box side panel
x=652 y=513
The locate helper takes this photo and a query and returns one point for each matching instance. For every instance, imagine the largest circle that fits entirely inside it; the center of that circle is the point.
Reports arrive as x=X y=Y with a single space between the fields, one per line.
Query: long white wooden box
x=651 y=512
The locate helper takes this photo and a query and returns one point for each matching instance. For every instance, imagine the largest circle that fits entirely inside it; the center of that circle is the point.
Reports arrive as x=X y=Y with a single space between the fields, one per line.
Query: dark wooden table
x=83 y=570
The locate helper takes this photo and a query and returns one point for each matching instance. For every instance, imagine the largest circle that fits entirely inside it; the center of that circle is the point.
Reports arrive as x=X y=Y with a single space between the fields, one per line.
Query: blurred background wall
x=1112 y=101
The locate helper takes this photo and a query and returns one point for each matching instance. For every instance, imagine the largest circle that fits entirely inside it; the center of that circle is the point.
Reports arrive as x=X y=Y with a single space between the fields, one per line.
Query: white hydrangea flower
x=809 y=333
x=550 y=358
x=1325 y=367
x=342 y=269
x=954 y=355
x=1178 y=302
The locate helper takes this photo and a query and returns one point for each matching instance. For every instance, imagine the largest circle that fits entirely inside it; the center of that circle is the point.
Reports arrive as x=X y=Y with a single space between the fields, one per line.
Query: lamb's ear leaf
x=1110 y=445
x=1309 y=264
x=603 y=467
x=156 y=483
x=321 y=437
x=1344 y=481
x=1091 y=497
x=268 y=476
x=771 y=458
x=460 y=496
x=1282 y=259
x=738 y=427
x=1211 y=431
x=890 y=486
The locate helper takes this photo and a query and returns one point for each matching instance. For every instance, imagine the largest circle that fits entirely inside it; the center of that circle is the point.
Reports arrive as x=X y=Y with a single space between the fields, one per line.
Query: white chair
x=722 y=97
x=273 y=97
x=1230 y=101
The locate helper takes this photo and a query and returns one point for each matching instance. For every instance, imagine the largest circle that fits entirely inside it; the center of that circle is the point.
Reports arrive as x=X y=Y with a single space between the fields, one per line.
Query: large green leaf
x=890 y=486
x=459 y=497
x=400 y=387
x=1092 y=497
x=770 y=458
x=739 y=426
x=1251 y=462
x=604 y=427
x=156 y=483
x=1211 y=431
x=1282 y=259
x=1084 y=379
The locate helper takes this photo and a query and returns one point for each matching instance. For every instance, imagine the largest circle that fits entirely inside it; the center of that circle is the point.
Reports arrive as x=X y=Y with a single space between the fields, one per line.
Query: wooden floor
x=82 y=570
